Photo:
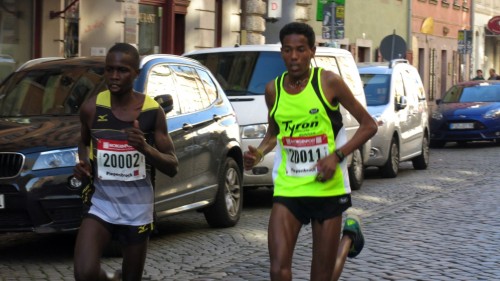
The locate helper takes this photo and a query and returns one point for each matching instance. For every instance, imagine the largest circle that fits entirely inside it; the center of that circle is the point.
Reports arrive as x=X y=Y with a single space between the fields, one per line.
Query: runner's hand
x=326 y=168
x=82 y=170
x=135 y=137
x=251 y=157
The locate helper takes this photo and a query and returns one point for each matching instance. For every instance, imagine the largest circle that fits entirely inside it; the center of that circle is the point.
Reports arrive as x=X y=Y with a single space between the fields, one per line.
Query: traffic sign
x=393 y=47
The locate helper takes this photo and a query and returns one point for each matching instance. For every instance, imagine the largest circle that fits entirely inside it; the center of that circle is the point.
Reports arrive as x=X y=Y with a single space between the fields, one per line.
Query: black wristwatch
x=339 y=154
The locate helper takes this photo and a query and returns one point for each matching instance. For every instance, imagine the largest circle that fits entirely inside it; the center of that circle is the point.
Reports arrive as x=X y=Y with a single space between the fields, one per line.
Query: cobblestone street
x=435 y=224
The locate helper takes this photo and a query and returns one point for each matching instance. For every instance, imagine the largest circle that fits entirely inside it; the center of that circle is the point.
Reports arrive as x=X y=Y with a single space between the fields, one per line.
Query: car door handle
x=187 y=127
x=217 y=117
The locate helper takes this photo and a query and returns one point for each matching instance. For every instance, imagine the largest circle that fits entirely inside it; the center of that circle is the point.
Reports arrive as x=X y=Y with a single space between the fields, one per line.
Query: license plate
x=2 y=201
x=461 y=126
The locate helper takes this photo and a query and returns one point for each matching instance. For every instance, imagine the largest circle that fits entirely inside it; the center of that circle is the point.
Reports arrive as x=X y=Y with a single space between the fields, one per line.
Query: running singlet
x=310 y=128
x=122 y=177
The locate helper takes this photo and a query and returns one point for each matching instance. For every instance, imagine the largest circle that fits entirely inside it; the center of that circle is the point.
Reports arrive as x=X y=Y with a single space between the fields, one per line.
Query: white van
x=396 y=100
x=243 y=72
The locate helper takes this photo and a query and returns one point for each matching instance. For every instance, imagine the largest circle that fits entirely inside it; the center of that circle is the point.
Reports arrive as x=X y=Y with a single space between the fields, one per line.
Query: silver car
x=395 y=98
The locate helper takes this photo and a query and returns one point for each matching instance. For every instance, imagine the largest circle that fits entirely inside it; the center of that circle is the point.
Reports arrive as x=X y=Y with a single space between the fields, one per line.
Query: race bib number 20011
x=116 y=160
x=303 y=153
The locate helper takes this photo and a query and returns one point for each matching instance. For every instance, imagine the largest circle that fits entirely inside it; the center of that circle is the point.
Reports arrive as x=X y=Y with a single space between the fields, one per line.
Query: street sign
x=393 y=47
x=274 y=9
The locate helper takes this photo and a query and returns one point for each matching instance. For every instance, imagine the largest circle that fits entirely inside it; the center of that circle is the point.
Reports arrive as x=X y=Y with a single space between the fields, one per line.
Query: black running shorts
x=126 y=234
x=307 y=209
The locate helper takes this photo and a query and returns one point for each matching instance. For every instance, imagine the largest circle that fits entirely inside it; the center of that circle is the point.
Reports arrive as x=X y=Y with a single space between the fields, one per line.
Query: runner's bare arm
x=162 y=156
x=254 y=155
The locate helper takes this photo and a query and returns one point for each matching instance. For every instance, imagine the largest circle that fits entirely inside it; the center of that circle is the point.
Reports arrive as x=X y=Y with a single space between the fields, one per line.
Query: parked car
x=243 y=72
x=39 y=132
x=468 y=111
x=396 y=100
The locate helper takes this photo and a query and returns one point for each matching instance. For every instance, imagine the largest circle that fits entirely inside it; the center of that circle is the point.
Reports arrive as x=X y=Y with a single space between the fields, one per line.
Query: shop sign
x=274 y=9
x=494 y=24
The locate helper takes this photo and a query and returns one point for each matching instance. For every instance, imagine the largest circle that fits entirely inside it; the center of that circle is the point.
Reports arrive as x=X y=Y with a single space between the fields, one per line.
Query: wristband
x=261 y=155
x=339 y=154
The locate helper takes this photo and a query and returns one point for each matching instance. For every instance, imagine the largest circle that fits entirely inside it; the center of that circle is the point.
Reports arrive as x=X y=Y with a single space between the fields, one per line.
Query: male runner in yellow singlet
x=311 y=184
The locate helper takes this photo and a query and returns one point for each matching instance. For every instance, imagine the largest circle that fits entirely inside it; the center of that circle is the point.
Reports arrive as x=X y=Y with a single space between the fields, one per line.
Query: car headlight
x=437 y=115
x=56 y=159
x=492 y=114
x=256 y=131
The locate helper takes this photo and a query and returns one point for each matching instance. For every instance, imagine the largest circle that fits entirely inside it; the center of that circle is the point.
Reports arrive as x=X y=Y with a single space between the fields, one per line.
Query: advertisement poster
x=333 y=21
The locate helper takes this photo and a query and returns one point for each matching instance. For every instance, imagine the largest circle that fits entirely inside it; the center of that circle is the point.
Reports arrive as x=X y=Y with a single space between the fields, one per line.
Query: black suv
x=39 y=131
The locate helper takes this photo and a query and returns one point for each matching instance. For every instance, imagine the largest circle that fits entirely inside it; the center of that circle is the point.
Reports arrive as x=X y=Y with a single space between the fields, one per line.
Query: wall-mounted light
x=446 y=30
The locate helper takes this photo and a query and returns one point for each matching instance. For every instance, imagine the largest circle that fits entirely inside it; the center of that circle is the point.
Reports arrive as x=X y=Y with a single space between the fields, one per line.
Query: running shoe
x=352 y=227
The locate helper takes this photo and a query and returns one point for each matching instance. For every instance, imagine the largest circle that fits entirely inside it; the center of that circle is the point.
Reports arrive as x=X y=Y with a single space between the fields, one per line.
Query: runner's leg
x=326 y=238
x=282 y=236
x=91 y=239
x=134 y=257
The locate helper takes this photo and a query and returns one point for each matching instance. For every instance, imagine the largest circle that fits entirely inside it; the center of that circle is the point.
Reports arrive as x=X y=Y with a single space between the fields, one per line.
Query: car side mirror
x=401 y=104
x=166 y=102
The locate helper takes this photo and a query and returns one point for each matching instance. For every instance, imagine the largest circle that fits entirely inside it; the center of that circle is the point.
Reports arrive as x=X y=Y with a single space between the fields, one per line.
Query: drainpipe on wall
x=473 y=65
x=243 y=27
x=409 y=46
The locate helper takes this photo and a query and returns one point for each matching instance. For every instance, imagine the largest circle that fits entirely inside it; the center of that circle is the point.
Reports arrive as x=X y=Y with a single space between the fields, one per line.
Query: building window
x=465 y=6
x=149 y=29
x=16 y=34
x=71 y=27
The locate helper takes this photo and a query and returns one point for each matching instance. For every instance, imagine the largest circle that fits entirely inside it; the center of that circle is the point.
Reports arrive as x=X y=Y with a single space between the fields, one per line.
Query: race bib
x=302 y=153
x=116 y=160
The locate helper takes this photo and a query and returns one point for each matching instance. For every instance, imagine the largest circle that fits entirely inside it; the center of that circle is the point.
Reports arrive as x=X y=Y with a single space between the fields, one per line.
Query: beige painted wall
x=101 y=25
x=367 y=23
x=200 y=24
x=52 y=30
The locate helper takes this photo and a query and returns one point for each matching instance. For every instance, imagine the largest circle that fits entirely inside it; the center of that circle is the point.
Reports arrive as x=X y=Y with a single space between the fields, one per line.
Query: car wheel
x=391 y=167
x=422 y=161
x=356 y=170
x=437 y=144
x=226 y=209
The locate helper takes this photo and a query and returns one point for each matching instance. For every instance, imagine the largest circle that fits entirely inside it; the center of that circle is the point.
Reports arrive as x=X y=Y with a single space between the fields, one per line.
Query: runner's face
x=297 y=55
x=119 y=73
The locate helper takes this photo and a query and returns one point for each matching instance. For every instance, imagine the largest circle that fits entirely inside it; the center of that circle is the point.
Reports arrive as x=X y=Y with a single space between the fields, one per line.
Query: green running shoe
x=352 y=227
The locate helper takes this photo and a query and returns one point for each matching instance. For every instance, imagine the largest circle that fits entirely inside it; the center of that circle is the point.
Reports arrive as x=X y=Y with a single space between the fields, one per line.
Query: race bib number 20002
x=303 y=153
x=116 y=160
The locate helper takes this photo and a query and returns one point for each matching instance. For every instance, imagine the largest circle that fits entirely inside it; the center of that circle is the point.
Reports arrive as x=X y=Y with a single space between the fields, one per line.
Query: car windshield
x=52 y=91
x=243 y=73
x=376 y=88
x=479 y=93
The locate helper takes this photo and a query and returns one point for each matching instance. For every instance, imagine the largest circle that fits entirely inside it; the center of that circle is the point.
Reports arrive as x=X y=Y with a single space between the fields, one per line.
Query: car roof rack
x=393 y=62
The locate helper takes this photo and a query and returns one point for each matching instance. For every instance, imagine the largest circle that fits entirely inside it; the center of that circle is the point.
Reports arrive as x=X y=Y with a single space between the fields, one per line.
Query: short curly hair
x=127 y=49
x=298 y=28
